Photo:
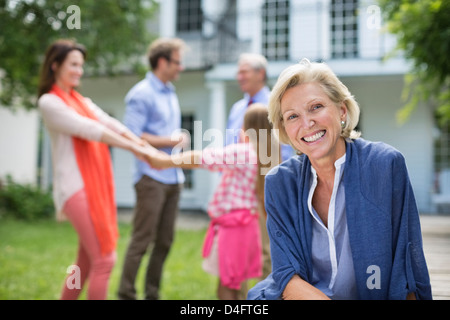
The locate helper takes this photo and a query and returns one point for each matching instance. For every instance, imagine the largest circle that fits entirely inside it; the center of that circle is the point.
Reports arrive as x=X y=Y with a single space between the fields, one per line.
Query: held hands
x=159 y=160
x=154 y=157
x=143 y=150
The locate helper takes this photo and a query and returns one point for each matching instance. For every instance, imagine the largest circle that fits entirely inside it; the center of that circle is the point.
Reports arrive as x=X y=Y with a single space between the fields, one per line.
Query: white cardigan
x=63 y=122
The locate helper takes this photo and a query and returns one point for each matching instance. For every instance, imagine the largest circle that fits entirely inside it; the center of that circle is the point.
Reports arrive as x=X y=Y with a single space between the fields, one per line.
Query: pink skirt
x=232 y=248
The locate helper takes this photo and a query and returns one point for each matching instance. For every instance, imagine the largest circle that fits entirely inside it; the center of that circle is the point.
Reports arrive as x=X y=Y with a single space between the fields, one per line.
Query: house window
x=442 y=148
x=187 y=123
x=344 y=29
x=275 y=28
x=442 y=169
x=189 y=16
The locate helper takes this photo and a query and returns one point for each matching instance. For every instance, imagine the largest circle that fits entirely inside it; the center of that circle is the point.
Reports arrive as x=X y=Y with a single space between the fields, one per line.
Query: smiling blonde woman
x=342 y=218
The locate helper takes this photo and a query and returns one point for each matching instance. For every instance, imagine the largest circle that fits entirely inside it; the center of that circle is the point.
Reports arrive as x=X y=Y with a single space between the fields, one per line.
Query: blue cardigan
x=382 y=218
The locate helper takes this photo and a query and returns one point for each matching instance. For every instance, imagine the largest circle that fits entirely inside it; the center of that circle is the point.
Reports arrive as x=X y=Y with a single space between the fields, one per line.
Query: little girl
x=232 y=247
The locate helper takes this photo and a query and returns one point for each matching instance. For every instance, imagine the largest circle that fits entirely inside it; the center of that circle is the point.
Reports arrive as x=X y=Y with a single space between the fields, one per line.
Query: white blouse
x=63 y=122
x=333 y=271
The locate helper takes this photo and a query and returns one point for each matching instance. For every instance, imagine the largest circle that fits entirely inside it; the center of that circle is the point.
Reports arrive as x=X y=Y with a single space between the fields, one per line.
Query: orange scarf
x=94 y=163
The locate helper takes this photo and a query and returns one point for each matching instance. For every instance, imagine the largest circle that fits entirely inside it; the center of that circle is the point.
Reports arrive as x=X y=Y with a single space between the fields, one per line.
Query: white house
x=19 y=132
x=347 y=34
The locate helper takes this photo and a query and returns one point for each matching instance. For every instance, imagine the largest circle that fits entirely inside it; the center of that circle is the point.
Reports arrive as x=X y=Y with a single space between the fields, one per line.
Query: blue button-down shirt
x=237 y=112
x=152 y=107
x=236 y=119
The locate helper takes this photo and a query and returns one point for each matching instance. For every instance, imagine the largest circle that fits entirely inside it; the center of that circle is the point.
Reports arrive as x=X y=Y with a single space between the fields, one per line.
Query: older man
x=252 y=79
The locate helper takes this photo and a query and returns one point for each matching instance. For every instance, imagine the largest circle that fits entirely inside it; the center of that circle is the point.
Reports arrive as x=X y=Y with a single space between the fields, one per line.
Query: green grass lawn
x=34 y=257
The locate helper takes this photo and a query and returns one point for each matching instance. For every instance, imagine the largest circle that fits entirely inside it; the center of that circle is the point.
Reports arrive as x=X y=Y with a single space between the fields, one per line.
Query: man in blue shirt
x=153 y=113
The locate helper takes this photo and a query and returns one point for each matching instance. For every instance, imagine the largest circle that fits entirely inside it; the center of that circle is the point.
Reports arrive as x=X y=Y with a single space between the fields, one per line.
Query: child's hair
x=259 y=130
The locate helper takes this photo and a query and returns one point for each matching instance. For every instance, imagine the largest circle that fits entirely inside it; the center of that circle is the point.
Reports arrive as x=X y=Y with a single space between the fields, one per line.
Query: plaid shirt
x=237 y=188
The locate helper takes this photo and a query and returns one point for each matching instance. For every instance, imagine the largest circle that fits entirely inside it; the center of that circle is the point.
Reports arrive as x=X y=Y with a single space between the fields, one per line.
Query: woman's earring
x=343 y=124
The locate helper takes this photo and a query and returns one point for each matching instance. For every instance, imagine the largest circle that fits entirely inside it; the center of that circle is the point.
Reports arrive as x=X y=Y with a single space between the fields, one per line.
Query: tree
x=422 y=28
x=113 y=31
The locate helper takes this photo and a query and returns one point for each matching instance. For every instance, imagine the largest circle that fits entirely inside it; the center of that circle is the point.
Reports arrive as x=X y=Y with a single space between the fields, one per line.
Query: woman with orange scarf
x=83 y=185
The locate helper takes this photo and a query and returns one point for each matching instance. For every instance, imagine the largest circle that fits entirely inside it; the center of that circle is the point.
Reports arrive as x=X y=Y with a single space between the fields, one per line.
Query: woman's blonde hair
x=306 y=72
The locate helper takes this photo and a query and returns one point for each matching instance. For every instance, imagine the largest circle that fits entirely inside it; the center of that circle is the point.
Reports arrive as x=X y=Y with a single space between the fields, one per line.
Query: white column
x=167 y=21
x=217 y=123
x=217 y=108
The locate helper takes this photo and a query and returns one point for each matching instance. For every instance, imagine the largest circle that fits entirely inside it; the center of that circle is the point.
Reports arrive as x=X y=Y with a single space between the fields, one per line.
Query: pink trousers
x=92 y=265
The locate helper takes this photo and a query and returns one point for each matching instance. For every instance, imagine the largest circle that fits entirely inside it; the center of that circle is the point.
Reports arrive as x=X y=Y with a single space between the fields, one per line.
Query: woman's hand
x=142 y=150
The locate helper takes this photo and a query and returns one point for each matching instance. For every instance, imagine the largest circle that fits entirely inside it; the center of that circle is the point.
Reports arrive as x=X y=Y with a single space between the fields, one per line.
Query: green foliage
x=423 y=34
x=25 y=202
x=113 y=31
